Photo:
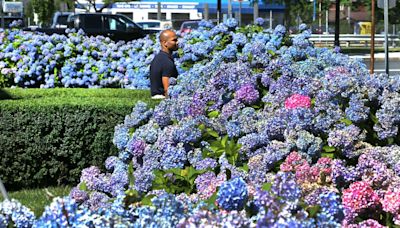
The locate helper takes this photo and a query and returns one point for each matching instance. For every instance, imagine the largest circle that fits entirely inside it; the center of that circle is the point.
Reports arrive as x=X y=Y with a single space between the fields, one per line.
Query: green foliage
x=223 y=145
x=106 y=4
x=48 y=136
x=177 y=180
x=44 y=9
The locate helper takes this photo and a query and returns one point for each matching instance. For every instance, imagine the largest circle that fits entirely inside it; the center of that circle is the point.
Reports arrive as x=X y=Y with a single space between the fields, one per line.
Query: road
x=394 y=62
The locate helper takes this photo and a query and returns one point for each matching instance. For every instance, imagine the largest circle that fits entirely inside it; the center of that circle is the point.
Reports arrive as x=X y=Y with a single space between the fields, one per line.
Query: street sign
x=381 y=3
x=12 y=7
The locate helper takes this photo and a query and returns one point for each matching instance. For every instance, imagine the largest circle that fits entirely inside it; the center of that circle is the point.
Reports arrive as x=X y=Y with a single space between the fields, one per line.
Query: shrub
x=48 y=136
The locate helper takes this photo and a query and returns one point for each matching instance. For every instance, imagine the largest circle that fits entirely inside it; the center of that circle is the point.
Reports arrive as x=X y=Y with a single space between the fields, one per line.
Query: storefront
x=181 y=10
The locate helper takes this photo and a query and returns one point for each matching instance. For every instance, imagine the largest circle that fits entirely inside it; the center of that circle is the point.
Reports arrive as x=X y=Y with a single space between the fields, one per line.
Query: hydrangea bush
x=260 y=130
x=34 y=60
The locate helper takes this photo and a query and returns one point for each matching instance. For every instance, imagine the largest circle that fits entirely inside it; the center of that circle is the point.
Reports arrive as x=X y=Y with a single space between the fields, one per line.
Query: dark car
x=116 y=26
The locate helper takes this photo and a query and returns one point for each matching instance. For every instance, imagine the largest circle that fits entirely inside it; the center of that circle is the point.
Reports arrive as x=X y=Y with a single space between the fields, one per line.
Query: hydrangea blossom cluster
x=304 y=100
x=13 y=212
x=239 y=113
x=74 y=60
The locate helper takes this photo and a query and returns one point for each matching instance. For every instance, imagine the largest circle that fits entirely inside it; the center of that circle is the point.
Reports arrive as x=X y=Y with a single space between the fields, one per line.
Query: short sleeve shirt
x=162 y=66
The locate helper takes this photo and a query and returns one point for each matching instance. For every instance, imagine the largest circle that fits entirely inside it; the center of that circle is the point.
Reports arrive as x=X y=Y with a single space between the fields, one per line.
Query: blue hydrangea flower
x=232 y=195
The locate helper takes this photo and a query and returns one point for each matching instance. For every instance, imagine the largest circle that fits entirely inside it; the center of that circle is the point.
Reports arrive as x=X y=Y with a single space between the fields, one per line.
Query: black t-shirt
x=162 y=66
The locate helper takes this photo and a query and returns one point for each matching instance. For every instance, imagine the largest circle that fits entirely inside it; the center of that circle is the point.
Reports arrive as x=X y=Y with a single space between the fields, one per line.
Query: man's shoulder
x=162 y=57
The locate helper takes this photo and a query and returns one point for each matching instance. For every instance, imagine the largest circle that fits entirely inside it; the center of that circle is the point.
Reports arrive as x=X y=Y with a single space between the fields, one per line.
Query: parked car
x=116 y=26
x=154 y=24
x=188 y=26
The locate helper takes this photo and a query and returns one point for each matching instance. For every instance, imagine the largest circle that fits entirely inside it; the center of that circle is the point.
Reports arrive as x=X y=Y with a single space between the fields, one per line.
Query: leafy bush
x=48 y=136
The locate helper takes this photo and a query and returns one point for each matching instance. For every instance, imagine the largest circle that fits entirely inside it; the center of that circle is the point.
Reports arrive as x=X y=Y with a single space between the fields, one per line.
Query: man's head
x=168 y=40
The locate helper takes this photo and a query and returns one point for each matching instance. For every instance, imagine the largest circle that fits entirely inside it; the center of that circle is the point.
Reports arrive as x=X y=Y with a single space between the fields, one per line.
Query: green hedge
x=48 y=136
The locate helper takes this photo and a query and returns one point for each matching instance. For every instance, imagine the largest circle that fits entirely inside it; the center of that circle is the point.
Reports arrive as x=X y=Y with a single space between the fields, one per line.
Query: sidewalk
x=378 y=56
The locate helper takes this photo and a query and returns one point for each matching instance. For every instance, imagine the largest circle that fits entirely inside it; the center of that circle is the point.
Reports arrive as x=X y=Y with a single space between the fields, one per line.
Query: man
x=163 y=67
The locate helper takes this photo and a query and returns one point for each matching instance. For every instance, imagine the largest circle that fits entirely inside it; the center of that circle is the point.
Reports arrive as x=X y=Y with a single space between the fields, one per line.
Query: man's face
x=172 y=42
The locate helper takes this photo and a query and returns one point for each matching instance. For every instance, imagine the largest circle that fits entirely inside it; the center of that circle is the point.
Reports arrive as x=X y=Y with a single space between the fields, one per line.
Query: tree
x=44 y=9
x=91 y=4
x=65 y=5
x=296 y=8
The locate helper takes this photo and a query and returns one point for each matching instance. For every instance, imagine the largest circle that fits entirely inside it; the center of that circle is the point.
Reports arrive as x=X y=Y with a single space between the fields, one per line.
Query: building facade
x=181 y=10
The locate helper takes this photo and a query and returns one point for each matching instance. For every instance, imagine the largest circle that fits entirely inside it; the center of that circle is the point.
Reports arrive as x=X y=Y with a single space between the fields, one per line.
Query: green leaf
x=373 y=118
x=132 y=193
x=202 y=127
x=147 y=200
x=224 y=141
x=329 y=149
x=328 y=155
x=245 y=167
x=313 y=210
x=211 y=201
x=267 y=186
x=312 y=101
x=213 y=114
x=131 y=177
x=346 y=121
x=271 y=52
x=176 y=171
x=212 y=133
x=82 y=186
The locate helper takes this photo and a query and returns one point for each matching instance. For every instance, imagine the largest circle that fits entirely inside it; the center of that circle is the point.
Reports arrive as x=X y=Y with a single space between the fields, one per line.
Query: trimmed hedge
x=48 y=136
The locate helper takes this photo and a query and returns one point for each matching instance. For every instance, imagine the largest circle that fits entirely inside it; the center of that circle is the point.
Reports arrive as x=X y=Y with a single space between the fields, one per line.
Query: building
x=181 y=10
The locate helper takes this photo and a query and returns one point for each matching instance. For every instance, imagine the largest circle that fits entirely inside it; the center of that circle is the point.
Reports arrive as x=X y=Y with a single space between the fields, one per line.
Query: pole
x=219 y=11
x=270 y=19
x=314 y=10
x=3 y=191
x=159 y=11
x=229 y=8
x=206 y=12
x=372 y=61
x=326 y=21
x=320 y=17
x=337 y=18
x=240 y=13
x=386 y=22
x=255 y=11
x=348 y=15
x=2 y=13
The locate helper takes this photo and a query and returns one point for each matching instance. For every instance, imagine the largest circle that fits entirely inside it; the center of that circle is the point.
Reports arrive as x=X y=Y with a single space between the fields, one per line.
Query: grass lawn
x=37 y=199
x=74 y=96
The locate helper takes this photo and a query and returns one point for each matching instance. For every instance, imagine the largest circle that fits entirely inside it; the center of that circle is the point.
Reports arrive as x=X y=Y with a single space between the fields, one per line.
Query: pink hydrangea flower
x=391 y=201
x=370 y=223
x=298 y=101
x=359 y=196
x=292 y=161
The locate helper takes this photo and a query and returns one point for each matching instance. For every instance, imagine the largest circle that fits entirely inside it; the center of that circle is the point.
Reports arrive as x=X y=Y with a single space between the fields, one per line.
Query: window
x=116 y=24
x=92 y=21
x=128 y=15
x=180 y=16
x=147 y=25
x=153 y=16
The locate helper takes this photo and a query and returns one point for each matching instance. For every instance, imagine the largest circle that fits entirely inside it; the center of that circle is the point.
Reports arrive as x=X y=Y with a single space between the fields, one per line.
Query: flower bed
x=33 y=60
x=270 y=133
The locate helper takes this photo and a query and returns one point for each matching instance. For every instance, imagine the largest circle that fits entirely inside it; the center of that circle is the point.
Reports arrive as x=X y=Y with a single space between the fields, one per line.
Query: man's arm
x=165 y=82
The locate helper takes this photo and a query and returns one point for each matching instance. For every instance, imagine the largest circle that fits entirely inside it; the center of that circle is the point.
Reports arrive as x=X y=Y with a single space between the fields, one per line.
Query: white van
x=154 y=24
